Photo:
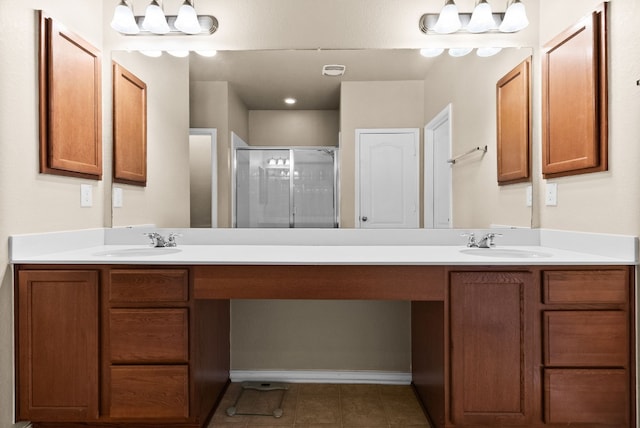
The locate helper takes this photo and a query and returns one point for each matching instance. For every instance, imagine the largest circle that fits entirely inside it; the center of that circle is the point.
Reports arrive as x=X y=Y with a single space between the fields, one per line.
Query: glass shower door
x=314 y=198
x=263 y=189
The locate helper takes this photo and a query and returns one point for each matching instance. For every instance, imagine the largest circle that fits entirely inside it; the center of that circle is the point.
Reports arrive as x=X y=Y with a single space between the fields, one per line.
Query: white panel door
x=437 y=172
x=387 y=178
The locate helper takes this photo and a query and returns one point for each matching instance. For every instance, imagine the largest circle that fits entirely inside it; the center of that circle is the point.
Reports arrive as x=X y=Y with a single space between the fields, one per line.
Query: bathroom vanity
x=542 y=339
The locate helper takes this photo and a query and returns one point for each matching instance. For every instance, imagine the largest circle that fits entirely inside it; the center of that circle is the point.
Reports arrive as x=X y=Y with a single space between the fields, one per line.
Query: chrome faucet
x=485 y=242
x=159 y=241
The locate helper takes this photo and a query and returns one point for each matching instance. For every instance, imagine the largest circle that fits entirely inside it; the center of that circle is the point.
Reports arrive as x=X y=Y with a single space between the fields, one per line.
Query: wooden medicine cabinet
x=574 y=99
x=70 y=103
x=129 y=127
x=513 y=100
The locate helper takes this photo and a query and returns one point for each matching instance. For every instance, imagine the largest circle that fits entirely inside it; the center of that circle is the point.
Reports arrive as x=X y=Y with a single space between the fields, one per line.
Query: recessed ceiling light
x=290 y=100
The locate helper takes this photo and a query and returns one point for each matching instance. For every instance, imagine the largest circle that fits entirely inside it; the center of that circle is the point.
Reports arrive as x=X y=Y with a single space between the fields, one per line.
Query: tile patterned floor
x=325 y=406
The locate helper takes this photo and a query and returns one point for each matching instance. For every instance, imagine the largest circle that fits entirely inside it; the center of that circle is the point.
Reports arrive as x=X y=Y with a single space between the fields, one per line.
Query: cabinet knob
x=364 y=218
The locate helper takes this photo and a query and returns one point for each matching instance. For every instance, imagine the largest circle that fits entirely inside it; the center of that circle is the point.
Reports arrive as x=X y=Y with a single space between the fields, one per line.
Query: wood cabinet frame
x=70 y=103
x=513 y=100
x=575 y=99
x=129 y=127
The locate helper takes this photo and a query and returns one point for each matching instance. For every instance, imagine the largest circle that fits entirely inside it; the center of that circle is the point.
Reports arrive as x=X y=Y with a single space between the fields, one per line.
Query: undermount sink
x=504 y=253
x=138 y=252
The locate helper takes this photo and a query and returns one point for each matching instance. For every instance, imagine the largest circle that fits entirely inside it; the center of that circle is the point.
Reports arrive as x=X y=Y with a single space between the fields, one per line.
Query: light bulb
x=207 y=53
x=431 y=52
x=481 y=18
x=187 y=20
x=458 y=52
x=179 y=53
x=515 y=18
x=448 y=20
x=123 y=20
x=486 y=52
x=154 y=19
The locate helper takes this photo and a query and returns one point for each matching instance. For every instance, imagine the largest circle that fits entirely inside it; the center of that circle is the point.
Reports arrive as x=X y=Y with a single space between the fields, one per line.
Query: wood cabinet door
x=491 y=348
x=70 y=103
x=57 y=317
x=574 y=99
x=514 y=124
x=129 y=127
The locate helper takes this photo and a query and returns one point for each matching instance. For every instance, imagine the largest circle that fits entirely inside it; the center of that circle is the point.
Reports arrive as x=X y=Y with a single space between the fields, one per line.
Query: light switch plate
x=529 y=196
x=117 y=197
x=551 y=194
x=86 y=195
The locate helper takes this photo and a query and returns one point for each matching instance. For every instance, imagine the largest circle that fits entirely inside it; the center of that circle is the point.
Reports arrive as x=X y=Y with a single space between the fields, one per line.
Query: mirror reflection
x=236 y=100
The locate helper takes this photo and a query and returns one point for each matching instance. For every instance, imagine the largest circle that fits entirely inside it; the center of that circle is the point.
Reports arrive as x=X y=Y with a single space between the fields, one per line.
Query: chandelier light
x=481 y=20
x=155 y=22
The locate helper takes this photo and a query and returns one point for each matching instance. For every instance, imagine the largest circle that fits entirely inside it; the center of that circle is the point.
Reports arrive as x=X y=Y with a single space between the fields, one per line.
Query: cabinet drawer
x=586 y=396
x=149 y=392
x=586 y=338
x=149 y=285
x=149 y=335
x=584 y=287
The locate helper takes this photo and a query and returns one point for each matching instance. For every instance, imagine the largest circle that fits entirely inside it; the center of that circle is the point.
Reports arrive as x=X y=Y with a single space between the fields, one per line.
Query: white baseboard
x=321 y=376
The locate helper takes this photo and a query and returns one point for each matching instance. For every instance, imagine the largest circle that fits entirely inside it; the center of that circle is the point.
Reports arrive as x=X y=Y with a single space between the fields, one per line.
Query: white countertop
x=361 y=248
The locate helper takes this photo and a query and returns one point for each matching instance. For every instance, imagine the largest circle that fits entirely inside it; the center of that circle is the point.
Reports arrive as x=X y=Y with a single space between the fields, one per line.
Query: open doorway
x=203 y=177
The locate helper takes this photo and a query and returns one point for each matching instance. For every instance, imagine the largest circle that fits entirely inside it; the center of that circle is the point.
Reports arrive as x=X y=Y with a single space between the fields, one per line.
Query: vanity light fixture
x=155 y=22
x=481 y=20
x=290 y=101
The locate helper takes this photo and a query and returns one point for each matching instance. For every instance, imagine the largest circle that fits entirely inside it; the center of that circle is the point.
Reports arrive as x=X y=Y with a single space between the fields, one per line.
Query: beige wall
x=293 y=127
x=164 y=201
x=470 y=87
x=366 y=105
x=607 y=201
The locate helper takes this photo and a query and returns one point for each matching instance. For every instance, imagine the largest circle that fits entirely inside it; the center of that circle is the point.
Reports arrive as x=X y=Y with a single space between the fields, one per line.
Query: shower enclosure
x=285 y=187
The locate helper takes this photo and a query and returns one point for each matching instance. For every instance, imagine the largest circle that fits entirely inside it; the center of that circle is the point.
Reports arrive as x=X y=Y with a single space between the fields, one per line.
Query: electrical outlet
x=86 y=195
x=551 y=194
x=117 y=197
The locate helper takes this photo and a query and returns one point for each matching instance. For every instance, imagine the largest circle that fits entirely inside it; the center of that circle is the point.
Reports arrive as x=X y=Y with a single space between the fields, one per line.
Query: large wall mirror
x=241 y=95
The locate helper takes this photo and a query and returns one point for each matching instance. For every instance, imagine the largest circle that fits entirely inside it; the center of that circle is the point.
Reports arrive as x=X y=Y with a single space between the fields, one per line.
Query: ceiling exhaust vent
x=333 y=70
